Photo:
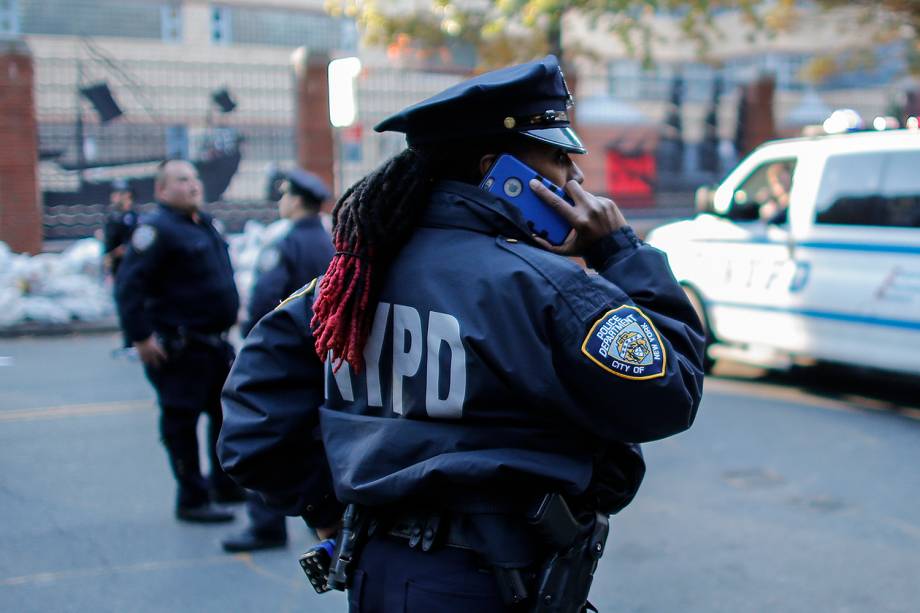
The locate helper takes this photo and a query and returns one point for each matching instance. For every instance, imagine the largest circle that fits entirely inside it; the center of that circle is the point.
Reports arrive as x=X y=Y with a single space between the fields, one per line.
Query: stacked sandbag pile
x=53 y=288
x=59 y=288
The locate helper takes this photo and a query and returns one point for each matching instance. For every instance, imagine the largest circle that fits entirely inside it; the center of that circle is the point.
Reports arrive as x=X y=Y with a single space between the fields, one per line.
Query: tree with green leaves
x=508 y=31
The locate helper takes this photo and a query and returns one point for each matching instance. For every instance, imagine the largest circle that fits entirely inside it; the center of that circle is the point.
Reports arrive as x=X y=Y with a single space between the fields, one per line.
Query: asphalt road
x=791 y=493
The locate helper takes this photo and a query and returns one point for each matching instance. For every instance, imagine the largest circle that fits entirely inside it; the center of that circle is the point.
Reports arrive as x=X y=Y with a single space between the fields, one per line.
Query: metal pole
x=81 y=154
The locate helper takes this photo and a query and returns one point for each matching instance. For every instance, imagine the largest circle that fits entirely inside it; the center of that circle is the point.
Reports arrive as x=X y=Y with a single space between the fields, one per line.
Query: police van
x=809 y=251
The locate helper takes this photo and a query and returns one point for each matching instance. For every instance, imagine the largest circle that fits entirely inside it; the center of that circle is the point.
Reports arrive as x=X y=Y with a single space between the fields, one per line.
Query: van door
x=750 y=263
x=861 y=297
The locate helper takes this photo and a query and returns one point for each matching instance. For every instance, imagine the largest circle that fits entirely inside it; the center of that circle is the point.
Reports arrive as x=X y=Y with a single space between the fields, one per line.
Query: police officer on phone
x=470 y=396
x=176 y=300
x=291 y=262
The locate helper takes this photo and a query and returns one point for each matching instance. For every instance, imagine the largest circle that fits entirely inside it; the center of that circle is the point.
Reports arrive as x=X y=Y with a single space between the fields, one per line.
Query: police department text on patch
x=625 y=343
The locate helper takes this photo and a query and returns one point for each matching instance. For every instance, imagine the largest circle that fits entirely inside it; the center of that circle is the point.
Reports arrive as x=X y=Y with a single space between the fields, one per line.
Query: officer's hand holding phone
x=591 y=217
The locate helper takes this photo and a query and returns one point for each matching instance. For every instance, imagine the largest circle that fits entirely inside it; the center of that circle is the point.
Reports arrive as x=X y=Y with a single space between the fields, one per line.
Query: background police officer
x=118 y=225
x=176 y=299
x=298 y=257
x=464 y=371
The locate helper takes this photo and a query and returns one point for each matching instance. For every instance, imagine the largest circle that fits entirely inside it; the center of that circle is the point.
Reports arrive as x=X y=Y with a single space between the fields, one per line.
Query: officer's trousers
x=393 y=577
x=188 y=385
x=264 y=520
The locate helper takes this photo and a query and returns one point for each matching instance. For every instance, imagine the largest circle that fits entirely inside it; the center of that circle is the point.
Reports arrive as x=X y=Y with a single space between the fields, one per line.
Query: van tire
x=697 y=303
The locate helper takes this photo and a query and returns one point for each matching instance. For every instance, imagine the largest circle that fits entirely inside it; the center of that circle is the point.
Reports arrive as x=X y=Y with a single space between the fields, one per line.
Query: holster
x=565 y=578
x=347 y=548
x=173 y=344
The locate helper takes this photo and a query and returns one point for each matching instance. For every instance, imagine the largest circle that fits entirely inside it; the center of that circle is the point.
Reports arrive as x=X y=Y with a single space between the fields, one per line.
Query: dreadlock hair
x=372 y=220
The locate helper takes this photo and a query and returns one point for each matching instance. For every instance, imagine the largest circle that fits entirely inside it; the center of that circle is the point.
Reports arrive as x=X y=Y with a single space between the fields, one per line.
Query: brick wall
x=20 y=208
x=315 y=150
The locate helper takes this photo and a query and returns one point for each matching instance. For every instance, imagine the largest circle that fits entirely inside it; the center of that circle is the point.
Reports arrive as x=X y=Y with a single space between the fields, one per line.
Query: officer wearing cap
x=118 y=225
x=176 y=300
x=299 y=256
x=467 y=390
x=289 y=263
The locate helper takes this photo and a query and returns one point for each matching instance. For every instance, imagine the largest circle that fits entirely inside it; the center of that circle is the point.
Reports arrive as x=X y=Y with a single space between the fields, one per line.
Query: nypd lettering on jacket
x=625 y=343
x=406 y=347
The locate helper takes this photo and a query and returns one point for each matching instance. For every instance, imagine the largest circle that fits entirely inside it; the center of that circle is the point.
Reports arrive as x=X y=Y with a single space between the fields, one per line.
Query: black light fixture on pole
x=100 y=96
x=223 y=100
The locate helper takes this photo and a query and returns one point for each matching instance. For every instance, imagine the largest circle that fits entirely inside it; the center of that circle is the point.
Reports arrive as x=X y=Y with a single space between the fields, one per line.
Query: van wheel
x=700 y=309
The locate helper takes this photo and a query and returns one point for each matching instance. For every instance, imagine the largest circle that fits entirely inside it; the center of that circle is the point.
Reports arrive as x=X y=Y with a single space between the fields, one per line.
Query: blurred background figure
x=776 y=202
x=299 y=256
x=176 y=300
x=284 y=266
x=119 y=225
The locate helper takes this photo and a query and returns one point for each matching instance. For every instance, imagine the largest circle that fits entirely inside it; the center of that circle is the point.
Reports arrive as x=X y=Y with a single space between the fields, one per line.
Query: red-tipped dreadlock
x=372 y=220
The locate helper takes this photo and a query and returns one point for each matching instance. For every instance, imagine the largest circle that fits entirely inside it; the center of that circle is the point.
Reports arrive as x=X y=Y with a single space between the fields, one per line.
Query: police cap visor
x=564 y=138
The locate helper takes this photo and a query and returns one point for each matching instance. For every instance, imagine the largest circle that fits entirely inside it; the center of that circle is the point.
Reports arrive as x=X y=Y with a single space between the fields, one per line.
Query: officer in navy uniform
x=176 y=300
x=466 y=389
x=298 y=257
x=118 y=225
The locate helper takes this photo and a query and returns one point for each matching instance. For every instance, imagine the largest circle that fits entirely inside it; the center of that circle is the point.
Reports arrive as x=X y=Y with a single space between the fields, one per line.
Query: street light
x=342 y=103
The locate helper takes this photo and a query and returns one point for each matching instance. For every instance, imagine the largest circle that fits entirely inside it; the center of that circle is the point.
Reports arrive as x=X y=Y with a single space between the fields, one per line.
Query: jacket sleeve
x=630 y=345
x=270 y=440
x=136 y=281
x=270 y=288
x=111 y=237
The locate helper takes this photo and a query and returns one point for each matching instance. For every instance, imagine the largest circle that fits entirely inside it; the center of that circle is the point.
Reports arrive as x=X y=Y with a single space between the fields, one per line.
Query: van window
x=764 y=194
x=871 y=189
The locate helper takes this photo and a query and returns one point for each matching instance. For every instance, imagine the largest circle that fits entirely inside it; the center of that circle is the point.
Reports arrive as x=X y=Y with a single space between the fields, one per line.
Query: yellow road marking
x=75 y=410
x=52 y=576
x=144 y=567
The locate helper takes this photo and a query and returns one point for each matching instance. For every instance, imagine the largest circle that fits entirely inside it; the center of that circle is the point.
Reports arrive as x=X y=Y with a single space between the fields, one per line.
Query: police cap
x=307 y=185
x=531 y=99
x=122 y=185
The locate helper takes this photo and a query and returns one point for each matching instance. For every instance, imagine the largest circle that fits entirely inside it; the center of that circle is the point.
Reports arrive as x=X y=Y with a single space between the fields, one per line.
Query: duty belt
x=212 y=339
x=429 y=530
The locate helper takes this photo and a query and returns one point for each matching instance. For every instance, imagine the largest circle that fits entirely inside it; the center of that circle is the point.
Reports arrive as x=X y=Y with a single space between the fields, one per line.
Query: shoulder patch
x=303 y=291
x=624 y=342
x=269 y=259
x=143 y=237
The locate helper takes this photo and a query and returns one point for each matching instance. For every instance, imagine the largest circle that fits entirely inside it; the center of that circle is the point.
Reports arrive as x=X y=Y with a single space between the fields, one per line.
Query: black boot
x=206 y=513
x=250 y=540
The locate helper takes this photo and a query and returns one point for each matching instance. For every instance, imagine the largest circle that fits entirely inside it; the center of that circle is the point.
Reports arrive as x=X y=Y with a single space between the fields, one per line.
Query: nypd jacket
x=494 y=370
x=176 y=273
x=300 y=256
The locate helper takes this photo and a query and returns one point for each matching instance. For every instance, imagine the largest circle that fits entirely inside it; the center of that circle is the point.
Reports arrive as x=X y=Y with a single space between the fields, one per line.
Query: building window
x=630 y=81
x=121 y=18
x=291 y=28
x=221 y=25
x=171 y=23
x=9 y=18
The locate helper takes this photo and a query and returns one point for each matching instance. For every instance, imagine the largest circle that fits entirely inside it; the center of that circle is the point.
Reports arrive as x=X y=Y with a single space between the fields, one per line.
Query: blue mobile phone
x=509 y=179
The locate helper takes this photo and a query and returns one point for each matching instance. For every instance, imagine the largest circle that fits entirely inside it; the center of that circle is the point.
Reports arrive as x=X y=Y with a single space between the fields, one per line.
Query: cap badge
x=569 y=98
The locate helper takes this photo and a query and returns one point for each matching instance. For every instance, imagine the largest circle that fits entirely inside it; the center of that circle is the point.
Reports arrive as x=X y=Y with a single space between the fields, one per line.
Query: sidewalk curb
x=33 y=328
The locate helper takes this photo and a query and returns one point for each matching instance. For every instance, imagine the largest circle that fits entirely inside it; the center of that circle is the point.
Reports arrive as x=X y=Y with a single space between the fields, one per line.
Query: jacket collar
x=177 y=214
x=462 y=205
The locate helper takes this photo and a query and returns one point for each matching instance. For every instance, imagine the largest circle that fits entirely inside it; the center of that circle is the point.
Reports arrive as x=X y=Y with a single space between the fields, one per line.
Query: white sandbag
x=83 y=256
x=12 y=309
x=90 y=307
x=44 y=310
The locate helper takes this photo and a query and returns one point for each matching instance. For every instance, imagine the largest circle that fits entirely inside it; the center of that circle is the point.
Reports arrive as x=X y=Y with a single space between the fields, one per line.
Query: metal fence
x=168 y=111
